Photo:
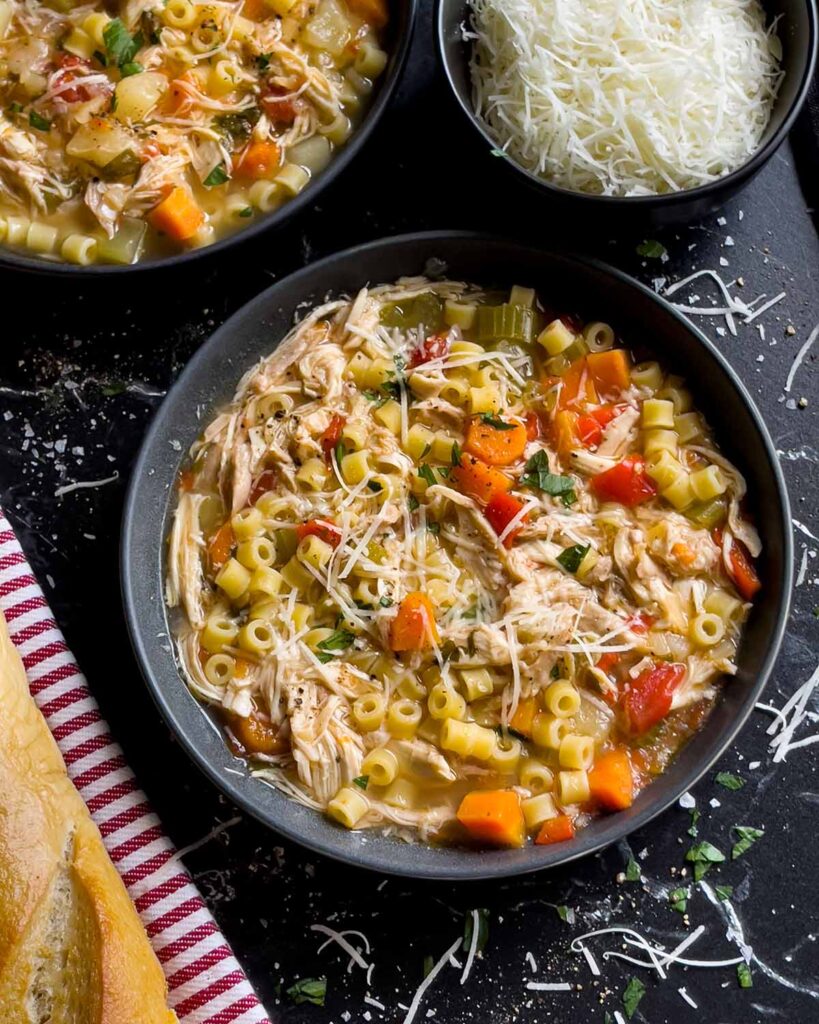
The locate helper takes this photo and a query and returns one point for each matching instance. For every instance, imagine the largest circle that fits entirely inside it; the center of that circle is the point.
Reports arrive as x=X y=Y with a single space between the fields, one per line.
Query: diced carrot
x=259 y=160
x=610 y=371
x=497 y=445
x=500 y=511
x=577 y=385
x=220 y=545
x=374 y=12
x=477 y=479
x=684 y=554
x=241 y=668
x=524 y=716
x=493 y=816
x=257 y=735
x=555 y=830
x=256 y=10
x=178 y=215
x=414 y=628
x=564 y=432
x=610 y=780
x=532 y=426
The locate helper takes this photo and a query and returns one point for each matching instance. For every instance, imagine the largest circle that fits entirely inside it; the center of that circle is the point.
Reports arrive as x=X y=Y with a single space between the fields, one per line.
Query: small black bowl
x=798 y=30
x=397 y=44
x=644 y=321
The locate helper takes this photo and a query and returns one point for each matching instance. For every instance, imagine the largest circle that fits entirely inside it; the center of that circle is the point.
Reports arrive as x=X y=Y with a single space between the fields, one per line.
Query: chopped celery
x=522 y=296
x=126 y=244
x=124 y=165
x=211 y=513
x=708 y=514
x=523 y=363
x=425 y=310
x=577 y=349
x=286 y=543
x=505 y=323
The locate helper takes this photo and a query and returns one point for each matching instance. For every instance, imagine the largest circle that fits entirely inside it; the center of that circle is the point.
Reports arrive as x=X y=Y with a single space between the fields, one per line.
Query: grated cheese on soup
x=625 y=98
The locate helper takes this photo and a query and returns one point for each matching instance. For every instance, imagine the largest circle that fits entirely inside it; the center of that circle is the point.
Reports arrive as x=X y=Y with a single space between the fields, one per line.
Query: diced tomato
x=262 y=485
x=532 y=421
x=607 y=661
x=436 y=346
x=67 y=93
x=186 y=480
x=500 y=512
x=640 y=623
x=627 y=482
x=648 y=699
x=279 y=109
x=323 y=530
x=331 y=436
x=740 y=566
x=220 y=546
x=590 y=425
x=555 y=830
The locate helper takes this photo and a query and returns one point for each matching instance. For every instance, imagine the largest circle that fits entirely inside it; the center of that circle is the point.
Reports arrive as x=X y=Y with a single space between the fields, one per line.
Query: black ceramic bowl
x=798 y=30
x=398 y=38
x=208 y=382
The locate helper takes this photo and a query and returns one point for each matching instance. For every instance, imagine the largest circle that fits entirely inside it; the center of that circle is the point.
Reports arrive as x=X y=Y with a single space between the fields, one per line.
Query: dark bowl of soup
x=134 y=145
x=644 y=323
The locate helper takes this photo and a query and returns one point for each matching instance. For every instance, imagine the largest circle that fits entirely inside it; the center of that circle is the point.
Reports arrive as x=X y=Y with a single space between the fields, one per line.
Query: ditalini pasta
x=174 y=123
x=449 y=565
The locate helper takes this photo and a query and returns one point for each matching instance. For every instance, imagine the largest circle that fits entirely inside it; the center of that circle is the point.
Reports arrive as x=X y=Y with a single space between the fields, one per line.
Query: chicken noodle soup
x=169 y=124
x=455 y=565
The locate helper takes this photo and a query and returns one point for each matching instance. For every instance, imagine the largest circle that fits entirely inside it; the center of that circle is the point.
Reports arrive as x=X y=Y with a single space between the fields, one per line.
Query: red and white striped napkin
x=205 y=982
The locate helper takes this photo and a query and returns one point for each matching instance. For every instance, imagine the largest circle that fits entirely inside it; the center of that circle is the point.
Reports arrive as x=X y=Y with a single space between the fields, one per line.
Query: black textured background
x=81 y=371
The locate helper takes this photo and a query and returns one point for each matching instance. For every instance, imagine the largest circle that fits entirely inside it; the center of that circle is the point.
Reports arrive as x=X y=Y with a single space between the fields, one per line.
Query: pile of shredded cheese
x=625 y=97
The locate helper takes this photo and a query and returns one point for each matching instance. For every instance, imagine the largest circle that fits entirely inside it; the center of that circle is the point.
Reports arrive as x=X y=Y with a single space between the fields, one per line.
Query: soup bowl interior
x=397 y=39
x=797 y=22
x=644 y=322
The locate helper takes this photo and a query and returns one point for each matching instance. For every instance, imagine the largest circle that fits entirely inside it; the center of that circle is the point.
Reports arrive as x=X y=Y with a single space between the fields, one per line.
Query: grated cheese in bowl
x=625 y=97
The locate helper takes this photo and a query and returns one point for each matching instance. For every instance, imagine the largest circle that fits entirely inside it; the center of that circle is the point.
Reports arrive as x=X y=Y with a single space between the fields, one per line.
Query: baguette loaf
x=72 y=948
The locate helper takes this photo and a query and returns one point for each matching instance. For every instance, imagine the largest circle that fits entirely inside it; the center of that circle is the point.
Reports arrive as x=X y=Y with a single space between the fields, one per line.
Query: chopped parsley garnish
x=497 y=424
x=509 y=731
x=120 y=45
x=744 y=976
x=429 y=963
x=263 y=61
x=386 y=602
x=100 y=57
x=724 y=892
x=570 y=558
x=566 y=914
x=678 y=898
x=729 y=780
x=555 y=673
x=15 y=108
x=340 y=451
x=632 y=994
x=434 y=528
x=238 y=126
x=538 y=476
x=247 y=212
x=425 y=473
x=483 y=929
x=703 y=855
x=42 y=124
x=133 y=67
x=450 y=651
x=308 y=990
x=361 y=781
x=218 y=176
x=375 y=396
x=338 y=640
x=457 y=454
x=747 y=837
x=413 y=503
x=695 y=817
x=632 y=871
x=651 y=248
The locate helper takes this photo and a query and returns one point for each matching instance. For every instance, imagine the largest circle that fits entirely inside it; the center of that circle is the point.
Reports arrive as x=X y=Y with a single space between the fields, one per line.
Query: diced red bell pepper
x=648 y=699
x=500 y=512
x=590 y=425
x=436 y=346
x=331 y=436
x=330 y=534
x=263 y=484
x=278 y=109
x=532 y=421
x=740 y=566
x=627 y=482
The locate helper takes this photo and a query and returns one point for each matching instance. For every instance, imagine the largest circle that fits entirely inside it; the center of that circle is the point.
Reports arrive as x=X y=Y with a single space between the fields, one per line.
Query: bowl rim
x=736 y=177
x=12 y=260
x=365 y=854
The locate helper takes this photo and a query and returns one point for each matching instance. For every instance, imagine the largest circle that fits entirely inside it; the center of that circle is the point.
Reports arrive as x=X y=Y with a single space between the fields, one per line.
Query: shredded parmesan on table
x=625 y=98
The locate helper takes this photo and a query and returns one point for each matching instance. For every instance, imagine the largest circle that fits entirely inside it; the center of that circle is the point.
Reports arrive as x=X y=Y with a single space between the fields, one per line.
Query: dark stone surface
x=81 y=370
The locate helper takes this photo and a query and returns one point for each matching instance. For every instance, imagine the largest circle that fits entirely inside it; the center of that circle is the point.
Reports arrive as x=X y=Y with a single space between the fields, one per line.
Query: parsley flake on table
x=678 y=898
x=729 y=780
x=632 y=994
x=724 y=892
x=566 y=914
x=308 y=990
x=632 y=871
x=747 y=837
x=652 y=249
x=744 y=976
x=482 y=915
x=695 y=817
x=702 y=856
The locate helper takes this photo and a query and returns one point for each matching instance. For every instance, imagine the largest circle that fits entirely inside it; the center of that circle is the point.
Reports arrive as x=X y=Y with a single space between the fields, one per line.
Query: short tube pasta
x=576 y=752
x=707 y=629
x=403 y=717
x=348 y=807
x=561 y=699
x=369 y=711
x=444 y=702
x=573 y=787
x=380 y=766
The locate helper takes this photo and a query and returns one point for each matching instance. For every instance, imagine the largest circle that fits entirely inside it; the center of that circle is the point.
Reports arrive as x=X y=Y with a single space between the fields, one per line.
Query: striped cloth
x=205 y=982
